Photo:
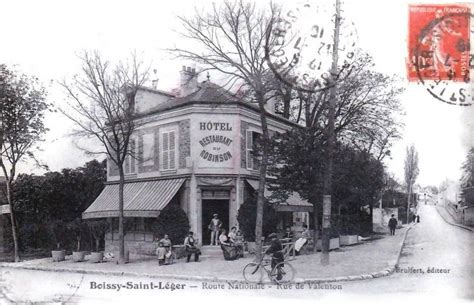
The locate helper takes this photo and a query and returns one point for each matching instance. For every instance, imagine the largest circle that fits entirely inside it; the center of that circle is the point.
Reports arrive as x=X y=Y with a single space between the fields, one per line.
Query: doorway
x=210 y=207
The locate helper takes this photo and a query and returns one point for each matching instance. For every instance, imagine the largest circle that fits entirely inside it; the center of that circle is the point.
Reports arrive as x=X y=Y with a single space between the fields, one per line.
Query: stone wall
x=184 y=142
x=243 y=143
x=135 y=242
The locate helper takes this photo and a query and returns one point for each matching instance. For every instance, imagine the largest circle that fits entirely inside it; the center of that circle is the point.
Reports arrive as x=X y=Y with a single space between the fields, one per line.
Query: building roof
x=207 y=93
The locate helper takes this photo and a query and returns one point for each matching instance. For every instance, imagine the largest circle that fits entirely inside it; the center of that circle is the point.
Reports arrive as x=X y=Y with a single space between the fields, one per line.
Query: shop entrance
x=210 y=207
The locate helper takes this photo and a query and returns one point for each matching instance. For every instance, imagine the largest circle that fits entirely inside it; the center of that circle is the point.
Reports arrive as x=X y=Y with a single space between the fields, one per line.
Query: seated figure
x=228 y=249
x=191 y=248
x=164 y=251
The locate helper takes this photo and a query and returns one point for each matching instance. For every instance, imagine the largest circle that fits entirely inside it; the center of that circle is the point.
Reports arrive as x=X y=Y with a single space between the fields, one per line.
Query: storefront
x=193 y=149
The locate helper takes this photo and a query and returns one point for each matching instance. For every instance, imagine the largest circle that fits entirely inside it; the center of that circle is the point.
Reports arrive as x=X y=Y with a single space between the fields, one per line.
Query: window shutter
x=249 y=147
x=126 y=163
x=172 y=150
x=132 y=156
x=168 y=150
x=164 y=146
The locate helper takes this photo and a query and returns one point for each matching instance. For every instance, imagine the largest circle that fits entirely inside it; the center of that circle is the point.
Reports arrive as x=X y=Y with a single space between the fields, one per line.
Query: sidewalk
x=449 y=219
x=370 y=259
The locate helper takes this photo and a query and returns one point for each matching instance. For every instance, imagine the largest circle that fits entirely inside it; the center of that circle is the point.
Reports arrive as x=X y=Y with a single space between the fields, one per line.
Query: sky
x=43 y=38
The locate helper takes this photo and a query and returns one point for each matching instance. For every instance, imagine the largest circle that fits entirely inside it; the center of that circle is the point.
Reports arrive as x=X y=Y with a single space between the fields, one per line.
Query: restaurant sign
x=216 y=146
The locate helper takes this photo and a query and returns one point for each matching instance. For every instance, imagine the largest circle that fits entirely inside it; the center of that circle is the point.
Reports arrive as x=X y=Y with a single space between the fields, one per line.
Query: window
x=168 y=150
x=129 y=162
x=148 y=149
x=252 y=140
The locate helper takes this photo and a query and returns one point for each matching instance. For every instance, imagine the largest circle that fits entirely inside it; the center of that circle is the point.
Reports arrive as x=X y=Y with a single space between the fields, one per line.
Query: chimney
x=188 y=80
x=154 y=81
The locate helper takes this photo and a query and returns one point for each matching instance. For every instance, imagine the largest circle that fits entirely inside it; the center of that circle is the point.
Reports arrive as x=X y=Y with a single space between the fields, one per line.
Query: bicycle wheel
x=283 y=273
x=253 y=273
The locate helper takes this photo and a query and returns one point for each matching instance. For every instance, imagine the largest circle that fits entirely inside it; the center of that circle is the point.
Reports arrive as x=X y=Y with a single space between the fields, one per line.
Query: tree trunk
x=316 y=225
x=16 y=252
x=121 y=258
x=408 y=204
x=262 y=180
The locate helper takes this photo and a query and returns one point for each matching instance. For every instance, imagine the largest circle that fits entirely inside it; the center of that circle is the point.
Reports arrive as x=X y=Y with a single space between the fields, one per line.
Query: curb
x=452 y=222
x=382 y=273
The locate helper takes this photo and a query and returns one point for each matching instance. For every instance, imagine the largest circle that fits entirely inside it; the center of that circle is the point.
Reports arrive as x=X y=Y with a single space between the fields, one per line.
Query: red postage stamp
x=439 y=42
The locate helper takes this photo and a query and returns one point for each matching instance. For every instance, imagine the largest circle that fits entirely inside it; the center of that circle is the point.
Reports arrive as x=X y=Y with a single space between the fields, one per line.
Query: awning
x=140 y=199
x=294 y=203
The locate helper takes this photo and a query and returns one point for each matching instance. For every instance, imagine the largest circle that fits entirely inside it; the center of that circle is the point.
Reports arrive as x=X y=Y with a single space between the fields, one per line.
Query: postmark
x=440 y=56
x=300 y=51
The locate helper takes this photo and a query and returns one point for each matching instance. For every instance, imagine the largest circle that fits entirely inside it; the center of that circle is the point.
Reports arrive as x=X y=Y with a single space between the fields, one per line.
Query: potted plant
x=78 y=228
x=98 y=229
x=58 y=230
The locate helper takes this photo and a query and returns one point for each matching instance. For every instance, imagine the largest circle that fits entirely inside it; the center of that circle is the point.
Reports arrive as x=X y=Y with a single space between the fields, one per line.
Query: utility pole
x=327 y=186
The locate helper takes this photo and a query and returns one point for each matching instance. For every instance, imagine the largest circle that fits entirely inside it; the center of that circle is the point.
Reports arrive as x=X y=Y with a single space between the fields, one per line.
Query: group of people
x=232 y=244
x=165 y=250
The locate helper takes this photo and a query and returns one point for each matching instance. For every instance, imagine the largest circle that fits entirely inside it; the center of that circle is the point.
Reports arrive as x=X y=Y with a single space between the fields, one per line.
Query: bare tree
x=367 y=113
x=411 y=173
x=367 y=109
x=102 y=102
x=22 y=109
x=231 y=39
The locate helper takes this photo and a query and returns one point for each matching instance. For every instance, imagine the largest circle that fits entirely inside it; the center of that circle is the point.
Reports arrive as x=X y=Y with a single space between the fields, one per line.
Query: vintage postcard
x=234 y=151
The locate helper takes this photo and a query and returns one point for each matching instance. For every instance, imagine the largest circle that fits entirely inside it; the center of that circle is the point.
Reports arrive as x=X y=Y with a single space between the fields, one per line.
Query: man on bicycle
x=276 y=250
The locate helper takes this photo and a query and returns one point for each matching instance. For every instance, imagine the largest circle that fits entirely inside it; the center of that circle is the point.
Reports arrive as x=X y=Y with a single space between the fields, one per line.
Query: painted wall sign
x=216 y=147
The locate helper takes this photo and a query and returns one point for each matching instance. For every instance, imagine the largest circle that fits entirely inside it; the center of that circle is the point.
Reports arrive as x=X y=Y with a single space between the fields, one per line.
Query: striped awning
x=294 y=203
x=140 y=199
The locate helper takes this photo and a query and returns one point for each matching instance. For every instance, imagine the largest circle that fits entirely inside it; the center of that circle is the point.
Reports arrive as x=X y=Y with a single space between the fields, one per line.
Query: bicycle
x=282 y=273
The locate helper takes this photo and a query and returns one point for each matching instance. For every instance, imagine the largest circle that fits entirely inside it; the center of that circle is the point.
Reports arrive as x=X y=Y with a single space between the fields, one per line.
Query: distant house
x=195 y=149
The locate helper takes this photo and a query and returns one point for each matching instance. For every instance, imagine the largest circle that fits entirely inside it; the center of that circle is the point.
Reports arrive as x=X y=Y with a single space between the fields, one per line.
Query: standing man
x=215 y=227
x=392 y=224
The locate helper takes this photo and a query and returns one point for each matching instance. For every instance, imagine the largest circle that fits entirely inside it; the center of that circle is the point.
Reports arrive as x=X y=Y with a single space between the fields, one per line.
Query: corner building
x=193 y=148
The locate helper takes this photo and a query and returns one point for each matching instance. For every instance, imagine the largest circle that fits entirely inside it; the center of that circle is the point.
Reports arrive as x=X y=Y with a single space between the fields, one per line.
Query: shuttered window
x=251 y=142
x=129 y=162
x=168 y=150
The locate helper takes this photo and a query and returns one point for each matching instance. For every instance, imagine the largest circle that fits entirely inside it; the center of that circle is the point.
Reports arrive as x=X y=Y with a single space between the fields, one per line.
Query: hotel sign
x=216 y=146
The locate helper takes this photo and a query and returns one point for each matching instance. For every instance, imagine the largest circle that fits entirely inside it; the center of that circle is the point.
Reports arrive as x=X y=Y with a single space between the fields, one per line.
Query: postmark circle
x=300 y=48
x=446 y=75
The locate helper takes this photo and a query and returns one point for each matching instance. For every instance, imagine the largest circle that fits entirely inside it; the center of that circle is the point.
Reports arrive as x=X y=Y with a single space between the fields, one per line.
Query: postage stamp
x=438 y=43
x=439 y=52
